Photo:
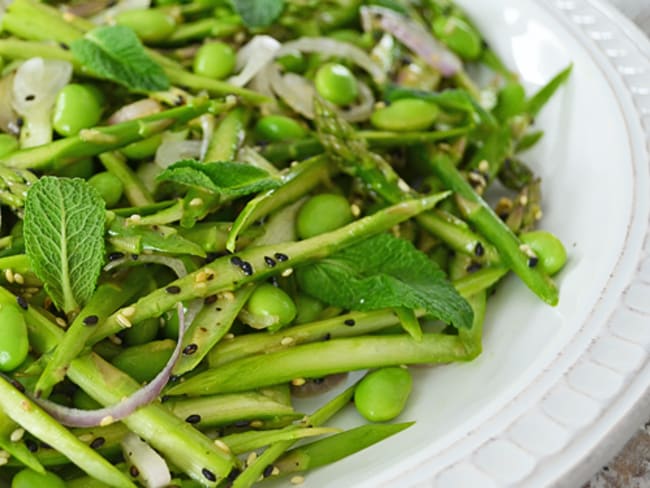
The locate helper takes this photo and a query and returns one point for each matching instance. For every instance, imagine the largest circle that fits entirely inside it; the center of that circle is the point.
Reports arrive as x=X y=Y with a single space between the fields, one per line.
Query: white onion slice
x=152 y=468
x=75 y=417
x=36 y=85
x=253 y=57
x=338 y=49
x=414 y=36
x=175 y=264
x=135 y=110
x=108 y=15
x=175 y=148
x=207 y=128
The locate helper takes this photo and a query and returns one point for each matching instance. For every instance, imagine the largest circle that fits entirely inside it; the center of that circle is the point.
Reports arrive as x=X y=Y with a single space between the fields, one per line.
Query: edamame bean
x=76 y=107
x=157 y=353
x=14 y=344
x=323 y=213
x=511 y=101
x=275 y=128
x=459 y=36
x=146 y=331
x=30 y=479
x=108 y=186
x=308 y=308
x=336 y=83
x=549 y=249
x=214 y=60
x=151 y=25
x=268 y=301
x=145 y=148
x=8 y=144
x=83 y=168
x=382 y=394
x=406 y=114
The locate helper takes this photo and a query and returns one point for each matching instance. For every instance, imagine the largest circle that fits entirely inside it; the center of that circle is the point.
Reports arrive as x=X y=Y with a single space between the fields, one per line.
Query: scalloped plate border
x=579 y=412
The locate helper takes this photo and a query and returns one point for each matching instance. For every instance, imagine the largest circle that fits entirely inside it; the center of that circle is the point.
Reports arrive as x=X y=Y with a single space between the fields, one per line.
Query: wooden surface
x=631 y=467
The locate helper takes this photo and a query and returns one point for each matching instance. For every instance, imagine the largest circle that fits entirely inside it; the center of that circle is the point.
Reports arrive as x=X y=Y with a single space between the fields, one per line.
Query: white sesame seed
x=4 y=454
x=297 y=480
x=86 y=438
x=60 y=322
x=484 y=166
x=287 y=272
x=229 y=336
x=287 y=341
x=128 y=312
x=108 y=420
x=403 y=185
x=123 y=321
x=201 y=276
x=228 y=296
x=298 y=381
x=196 y=202
x=16 y=435
x=355 y=210
x=9 y=275
x=222 y=446
x=256 y=424
x=275 y=471
x=523 y=200
x=252 y=457
x=18 y=278
x=3 y=461
x=115 y=340
x=201 y=285
x=135 y=218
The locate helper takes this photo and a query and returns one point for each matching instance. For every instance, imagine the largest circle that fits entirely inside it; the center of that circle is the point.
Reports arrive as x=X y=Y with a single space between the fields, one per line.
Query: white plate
x=557 y=391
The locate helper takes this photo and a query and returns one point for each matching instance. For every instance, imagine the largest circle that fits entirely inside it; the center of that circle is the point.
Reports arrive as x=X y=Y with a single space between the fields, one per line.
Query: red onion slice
x=413 y=36
x=75 y=417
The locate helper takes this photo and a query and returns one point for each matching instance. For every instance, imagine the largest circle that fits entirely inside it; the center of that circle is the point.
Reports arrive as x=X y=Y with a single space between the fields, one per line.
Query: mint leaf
x=258 y=13
x=115 y=53
x=64 y=238
x=225 y=178
x=385 y=272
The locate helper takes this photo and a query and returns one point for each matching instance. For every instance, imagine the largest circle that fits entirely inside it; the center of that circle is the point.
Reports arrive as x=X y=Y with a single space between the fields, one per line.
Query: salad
x=211 y=208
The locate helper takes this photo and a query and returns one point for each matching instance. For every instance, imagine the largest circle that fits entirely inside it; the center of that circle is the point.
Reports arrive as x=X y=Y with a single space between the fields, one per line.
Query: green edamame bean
x=459 y=36
x=215 y=60
x=336 y=83
x=150 y=25
x=407 y=114
x=29 y=479
x=146 y=331
x=83 y=168
x=8 y=144
x=157 y=353
x=269 y=301
x=549 y=250
x=323 y=213
x=308 y=308
x=76 y=107
x=382 y=394
x=108 y=186
x=275 y=128
x=511 y=101
x=145 y=148
x=14 y=344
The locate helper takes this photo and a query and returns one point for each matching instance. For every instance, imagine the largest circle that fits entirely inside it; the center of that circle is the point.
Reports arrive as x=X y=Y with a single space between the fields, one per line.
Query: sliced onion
x=36 y=85
x=135 y=110
x=108 y=15
x=338 y=49
x=318 y=386
x=175 y=264
x=207 y=128
x=152 y=467
x=175 y=148
x=253 y=57
x=8 y=116
x=75 y=417
x=414 y=36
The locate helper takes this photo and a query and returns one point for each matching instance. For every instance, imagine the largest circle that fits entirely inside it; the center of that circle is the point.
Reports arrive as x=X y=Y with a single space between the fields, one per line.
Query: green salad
x=211 y=208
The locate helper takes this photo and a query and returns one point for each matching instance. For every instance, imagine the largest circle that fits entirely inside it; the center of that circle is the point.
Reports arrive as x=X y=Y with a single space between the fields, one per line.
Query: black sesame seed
x=179 y=101
x=134 y=472
x=232 y=476
x=190 y=349
x=236 y=261
x=134 y=257
x=31 y=445
x=281 y=257
x=64 y=46
x=173 y=290
x=473 y=267
x=532 y=261
x=193 y=419
x=174 y=378
x=210 y=299
x=269 y=261
x=218 y=309
x=209 y=475
x=479 y=250
x=97 y=442
x=327 y=337
x=29 y=98
x=242 y=423
x=114 y=256
x=20 y=122
x=22 y=303
x=18 y=385
x=268 y=471
x=349 y=322
x=247 y=268
x=45 y=445
x=91 y=320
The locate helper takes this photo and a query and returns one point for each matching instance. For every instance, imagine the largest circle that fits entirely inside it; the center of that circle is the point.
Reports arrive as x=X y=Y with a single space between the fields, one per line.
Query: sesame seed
x=60 y=322
x=222 y=446
x=257 y=424
x=25 y=405
x=473 y=267
x=298 y=381
x=484 y=166
x=210 y=299
x=229 y=336
x=532 y=261
x=234 y=472
x=22 y=303
x=86 y=438
x=287 y=340
x=106 y=421
x=18 y=278
x=9 y=275
x=135 y=218
x=287 y=272
x=123 y=321
x=196 y=202
x=208 y=475
x=128 y=312
x=201 y=286
x=114 y=256
x=228 y=296
x=31 y=445
x=134 y=257
x=236 y=261
x=247 y=268
x=269 y=261
x=252 y=457
x=276 y=471
x=134 y=472
x=115 y=339
x=193 y=419
x=173 y=290
x=16 y=435
x=327 y=337
x=281 y=257
x=17 y=385
x=355 y=210
x=3 y=461
x=523 y=200
x=97 y=442
x=268 y=471
x=297 y=480
x=349 y=322
x=479 y=250
x=91 y=320
x=190 y=349
x=201 y=277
